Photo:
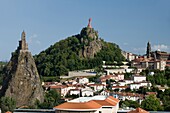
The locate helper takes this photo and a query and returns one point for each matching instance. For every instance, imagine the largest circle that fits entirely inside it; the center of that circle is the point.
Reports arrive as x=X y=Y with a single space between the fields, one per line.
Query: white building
x=128 y=81
x=82 y=80
x=113 y=71
x=138 y=78
x=160 y=64
x=87 y=91
x=135 y=86
x=74 y=91
x=129 y=96
x=97 y=87
x=105 y=92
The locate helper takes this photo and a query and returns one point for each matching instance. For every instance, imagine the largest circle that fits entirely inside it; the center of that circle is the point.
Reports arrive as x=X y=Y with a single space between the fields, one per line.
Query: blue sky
x=128 y=23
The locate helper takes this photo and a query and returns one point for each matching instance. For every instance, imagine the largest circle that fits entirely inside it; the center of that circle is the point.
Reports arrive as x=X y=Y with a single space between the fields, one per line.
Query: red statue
x=89 y=24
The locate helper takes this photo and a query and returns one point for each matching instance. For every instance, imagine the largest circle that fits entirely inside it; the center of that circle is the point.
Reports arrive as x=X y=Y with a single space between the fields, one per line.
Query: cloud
x=161 y=47
x=139 y=50
x=33 y=39
x=125 y=43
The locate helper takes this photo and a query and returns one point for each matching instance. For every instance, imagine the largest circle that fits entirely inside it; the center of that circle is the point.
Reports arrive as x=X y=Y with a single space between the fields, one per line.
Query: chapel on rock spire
x=22 y=43
x=21 y=80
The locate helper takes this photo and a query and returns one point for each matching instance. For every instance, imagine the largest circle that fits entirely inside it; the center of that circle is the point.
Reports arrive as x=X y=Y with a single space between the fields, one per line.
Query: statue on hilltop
x=89 y=24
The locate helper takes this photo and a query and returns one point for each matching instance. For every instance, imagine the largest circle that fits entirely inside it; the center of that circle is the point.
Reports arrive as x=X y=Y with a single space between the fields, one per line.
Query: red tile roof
x=8 y=112
x=168 y=65
x=130 y=94
x=104 y=103
x=109 y=101
x=151 y=93
x=93 y=104
x=79 y=105
x=57 y=86
x=138 y=110
x=113 y=99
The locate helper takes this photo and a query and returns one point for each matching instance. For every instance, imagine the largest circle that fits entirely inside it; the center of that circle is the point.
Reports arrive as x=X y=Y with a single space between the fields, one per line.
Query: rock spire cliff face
x=91 y=41
x=21 y=80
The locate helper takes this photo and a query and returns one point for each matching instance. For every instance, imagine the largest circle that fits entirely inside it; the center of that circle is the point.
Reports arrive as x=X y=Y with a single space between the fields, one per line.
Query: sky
x=128 y=23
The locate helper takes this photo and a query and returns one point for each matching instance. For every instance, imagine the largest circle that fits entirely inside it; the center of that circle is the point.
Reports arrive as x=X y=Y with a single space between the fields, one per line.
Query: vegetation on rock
x=7 y=104
x=83 y=51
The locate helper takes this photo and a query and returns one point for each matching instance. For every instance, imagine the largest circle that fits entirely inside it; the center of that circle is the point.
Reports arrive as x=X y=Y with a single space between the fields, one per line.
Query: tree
x=151 y=103
x=166 y=103
x=7 y=104
x=108 y=85
x=117 y=90
x=129 y=103
x=52 y=98
x=127 y=75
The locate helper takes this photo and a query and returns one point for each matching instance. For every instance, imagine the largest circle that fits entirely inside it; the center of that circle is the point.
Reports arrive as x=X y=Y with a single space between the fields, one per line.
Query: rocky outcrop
x=21 y=80
x=90 y=40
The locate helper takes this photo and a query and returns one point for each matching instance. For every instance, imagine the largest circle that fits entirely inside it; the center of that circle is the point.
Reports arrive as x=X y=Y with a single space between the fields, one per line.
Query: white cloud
x=125 y=43
x=161 y=47
x=33 y=39
x=139 y=50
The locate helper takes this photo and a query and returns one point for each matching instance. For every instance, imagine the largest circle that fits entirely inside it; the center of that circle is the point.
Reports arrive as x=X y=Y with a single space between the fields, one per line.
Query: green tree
x=127 y=75
x=7 y=104
x=52 y=98
x=129 y=103
x=151 y=103
x=166 y=102
x=108 y=84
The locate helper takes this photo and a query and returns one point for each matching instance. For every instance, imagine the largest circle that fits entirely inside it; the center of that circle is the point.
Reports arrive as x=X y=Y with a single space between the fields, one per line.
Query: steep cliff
x=91 y=43
x=21 y=80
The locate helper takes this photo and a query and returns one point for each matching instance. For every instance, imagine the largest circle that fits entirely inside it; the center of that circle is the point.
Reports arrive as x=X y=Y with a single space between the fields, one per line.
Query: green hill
x=82 y=51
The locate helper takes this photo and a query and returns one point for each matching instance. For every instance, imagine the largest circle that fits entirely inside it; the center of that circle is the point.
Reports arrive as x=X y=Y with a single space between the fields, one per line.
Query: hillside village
x=113 y=80
x=104 y=91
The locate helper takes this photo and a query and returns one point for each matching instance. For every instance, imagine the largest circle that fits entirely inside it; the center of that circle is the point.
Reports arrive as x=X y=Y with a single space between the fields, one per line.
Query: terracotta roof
x=162 y=53
x=103 y=103
x=104 y=78
x=151 y=93
x=8 y=112
x=96 y=85
x=79 y=105
x=74 y=89
x=130 y=94
x=113 y=99
x=93 y=104
x=106 y=91
x=109 y=101
x=138 y=110
x=168 y=65
x=57 y=86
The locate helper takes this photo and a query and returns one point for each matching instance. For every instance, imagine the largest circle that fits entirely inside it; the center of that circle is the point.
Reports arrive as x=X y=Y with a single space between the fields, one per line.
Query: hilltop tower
x=21 y=80
x=148 y=50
